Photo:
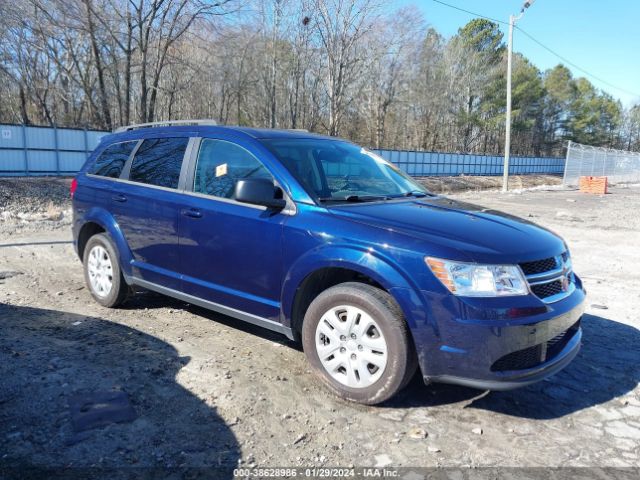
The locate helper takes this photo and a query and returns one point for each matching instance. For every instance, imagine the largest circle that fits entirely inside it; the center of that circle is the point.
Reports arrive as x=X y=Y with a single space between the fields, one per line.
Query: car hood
x=476 y=233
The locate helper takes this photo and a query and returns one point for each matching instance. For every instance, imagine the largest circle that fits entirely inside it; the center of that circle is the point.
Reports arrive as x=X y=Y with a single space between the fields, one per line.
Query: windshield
x=334 y=170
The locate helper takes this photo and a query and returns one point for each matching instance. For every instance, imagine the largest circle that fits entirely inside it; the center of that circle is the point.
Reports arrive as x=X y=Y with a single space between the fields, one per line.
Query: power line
x=577 y=67
x=471 y=13
x=564 y=59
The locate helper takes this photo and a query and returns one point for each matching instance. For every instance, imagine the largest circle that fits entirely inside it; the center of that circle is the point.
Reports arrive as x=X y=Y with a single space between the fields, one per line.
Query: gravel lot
x=189 y=388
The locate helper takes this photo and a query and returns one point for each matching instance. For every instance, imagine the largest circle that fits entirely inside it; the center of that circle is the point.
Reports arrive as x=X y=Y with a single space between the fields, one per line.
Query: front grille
x=545 y=290
x=539 y=266
x=557 y=343
x=550 y=278
x=531 y=357
x=519 y=360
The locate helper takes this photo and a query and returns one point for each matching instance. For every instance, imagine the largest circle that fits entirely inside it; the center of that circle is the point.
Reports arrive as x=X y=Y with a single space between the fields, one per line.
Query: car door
x=230 y=252
x=146 y=206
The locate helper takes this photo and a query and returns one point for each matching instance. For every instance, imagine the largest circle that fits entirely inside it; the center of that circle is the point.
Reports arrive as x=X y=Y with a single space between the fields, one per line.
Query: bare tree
x=343 y=67
x=341 y=26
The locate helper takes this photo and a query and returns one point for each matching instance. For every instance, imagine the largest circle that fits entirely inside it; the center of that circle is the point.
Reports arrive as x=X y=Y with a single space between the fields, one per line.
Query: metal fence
x=44 y=151
x=427 y=164
x=27 y=150
x=585 y=160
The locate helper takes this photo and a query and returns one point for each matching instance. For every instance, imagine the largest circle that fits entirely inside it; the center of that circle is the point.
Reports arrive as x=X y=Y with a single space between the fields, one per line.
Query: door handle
x=119 y=198
x=192 y=212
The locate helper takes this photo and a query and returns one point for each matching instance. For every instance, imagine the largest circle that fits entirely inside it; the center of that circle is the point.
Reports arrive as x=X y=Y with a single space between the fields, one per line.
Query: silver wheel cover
x=351 y=346
x=100 y=271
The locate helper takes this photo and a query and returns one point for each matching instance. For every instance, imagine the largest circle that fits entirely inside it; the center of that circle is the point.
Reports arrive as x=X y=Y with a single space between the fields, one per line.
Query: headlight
x=473 y=280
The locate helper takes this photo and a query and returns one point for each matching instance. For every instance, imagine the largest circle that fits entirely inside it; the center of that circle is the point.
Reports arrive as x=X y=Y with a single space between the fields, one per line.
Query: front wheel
x=357 y=341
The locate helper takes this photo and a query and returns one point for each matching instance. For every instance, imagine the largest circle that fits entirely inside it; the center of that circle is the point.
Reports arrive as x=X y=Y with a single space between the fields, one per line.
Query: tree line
x=351 y=68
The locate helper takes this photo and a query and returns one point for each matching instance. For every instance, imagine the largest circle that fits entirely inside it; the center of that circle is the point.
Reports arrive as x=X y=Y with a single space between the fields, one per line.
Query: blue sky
x=602 y=37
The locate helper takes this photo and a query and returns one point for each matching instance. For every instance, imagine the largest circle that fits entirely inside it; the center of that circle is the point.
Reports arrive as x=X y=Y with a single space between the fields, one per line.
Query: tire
x=100 y=251
x=359 y=322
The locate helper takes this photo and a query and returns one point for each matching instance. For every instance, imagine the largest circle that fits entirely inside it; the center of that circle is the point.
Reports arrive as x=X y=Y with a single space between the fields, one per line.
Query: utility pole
x=507 y=134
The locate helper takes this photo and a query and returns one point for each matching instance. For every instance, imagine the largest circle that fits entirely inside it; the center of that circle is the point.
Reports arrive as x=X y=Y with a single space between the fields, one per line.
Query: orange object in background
x=595 y=185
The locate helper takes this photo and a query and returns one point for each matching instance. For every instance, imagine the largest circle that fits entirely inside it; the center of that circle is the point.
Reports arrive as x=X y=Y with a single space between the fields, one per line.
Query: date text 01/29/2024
x=317 y=472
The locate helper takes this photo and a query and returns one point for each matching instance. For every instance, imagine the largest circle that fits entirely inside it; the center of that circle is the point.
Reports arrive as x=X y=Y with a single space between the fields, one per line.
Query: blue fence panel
x=40 y=138
x=452 y=164
x=12 y=136
x=12 y=160
x=71 y=140
x=42 y=161
x=26 y=150
x=71 y=162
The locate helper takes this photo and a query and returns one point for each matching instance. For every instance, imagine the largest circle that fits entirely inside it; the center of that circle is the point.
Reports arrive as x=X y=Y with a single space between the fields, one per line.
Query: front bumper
x=519 y=378
x=496 y=343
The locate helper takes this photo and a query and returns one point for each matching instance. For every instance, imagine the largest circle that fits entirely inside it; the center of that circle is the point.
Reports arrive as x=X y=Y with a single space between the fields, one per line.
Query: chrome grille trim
x=544 y=280
x=545 y=276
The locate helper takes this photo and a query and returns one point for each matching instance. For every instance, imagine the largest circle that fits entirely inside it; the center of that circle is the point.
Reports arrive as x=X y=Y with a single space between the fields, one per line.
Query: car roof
x=277 y=133
x=257 y=133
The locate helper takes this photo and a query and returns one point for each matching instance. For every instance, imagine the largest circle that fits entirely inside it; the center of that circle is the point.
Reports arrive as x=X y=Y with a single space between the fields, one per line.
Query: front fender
x=103 y=218
x=364 y=261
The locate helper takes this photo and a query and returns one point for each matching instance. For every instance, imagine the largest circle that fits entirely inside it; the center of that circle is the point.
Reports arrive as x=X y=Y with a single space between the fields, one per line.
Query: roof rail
x=164 y=123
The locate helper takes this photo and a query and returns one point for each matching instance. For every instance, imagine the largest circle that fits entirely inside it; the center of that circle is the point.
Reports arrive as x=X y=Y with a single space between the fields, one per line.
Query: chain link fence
x=585 y=160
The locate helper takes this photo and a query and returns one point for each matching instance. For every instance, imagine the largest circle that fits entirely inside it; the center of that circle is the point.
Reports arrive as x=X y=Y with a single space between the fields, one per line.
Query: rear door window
x=158 y=161
x=221 y=164
x=112 y=159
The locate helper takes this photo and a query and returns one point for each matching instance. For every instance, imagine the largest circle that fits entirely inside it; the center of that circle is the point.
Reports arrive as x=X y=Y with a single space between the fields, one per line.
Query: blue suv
x=329 y=244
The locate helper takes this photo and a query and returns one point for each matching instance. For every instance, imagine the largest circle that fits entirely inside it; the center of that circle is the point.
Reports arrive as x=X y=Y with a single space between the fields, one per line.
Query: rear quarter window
x=112 y=159
x=158 y=162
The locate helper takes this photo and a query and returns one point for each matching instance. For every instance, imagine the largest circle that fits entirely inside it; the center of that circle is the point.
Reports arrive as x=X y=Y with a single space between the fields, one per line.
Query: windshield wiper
x=416 y=193
x=354 y=198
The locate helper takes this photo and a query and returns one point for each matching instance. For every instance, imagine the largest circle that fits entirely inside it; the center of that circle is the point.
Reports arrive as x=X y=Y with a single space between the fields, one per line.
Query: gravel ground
x=33 y=204
x=464 y=183
x=189 y=388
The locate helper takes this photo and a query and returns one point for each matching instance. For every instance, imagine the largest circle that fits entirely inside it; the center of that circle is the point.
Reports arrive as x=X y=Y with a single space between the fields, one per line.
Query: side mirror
x=259 y=191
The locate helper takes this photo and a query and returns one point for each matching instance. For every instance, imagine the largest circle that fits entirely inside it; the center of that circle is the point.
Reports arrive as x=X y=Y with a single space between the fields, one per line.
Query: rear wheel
x=102 y=272
x=357 y=341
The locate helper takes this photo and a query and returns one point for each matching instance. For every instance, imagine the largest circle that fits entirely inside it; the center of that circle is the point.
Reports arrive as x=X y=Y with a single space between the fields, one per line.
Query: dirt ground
x=464 y=183
x=189 y=388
